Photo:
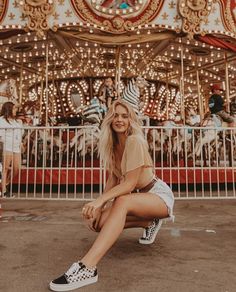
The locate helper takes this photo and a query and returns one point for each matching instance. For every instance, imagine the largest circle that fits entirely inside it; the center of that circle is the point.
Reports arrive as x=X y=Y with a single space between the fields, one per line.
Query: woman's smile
x=120 y=121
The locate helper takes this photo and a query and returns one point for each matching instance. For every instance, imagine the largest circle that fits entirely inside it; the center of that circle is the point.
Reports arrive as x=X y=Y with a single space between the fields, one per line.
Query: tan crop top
x=136 y=155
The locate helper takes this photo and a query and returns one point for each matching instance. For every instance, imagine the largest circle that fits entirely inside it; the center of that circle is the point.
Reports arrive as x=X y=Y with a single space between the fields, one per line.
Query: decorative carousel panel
x=229 y=14
x=3 y=9
x=117 y=16
x=75 y=95
x=38 y=12
x=194 y=12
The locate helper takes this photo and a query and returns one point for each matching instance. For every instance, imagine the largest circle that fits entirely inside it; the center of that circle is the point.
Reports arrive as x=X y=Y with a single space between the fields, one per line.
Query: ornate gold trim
x=38 y=12
x=228 y=18
x=3 y=9
x=117 y=23
x=194 y=12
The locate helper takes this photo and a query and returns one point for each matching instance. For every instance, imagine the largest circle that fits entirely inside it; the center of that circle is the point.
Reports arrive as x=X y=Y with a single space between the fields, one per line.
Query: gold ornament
x=3 y=9
x=194 y=12
x=230 y=17
x=38 y=12
x=118 y=22
x=112 y=20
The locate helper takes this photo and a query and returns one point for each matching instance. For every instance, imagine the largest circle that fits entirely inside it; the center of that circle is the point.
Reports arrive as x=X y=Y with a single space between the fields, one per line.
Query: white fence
x=62 y=162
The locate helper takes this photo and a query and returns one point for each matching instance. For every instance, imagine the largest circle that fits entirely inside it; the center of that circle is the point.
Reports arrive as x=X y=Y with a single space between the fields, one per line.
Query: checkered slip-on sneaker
x=77 y=276
x=150 y=232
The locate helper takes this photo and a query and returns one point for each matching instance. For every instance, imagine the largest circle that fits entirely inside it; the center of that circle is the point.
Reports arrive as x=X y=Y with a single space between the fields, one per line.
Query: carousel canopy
x=165 y=41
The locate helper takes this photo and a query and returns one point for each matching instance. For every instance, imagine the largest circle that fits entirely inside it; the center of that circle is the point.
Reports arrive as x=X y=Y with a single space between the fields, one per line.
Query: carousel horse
x=43 y=144
x=168 y=139
x=8 y=91
x=131 y=94
x=213 y=137
x=172 y=139
x=85 y=142
x=192 y=118
x=95 y=111
x=30 y=110
x=41 y=141
x=92 y=113
x=85 y=139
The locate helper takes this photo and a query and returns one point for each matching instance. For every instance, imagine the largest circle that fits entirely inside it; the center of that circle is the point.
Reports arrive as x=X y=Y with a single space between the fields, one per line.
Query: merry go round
x=57 y=57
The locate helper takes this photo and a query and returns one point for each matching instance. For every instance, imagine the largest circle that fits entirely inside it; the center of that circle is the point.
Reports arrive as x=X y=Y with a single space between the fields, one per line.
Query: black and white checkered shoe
x=150 y=232
x=77 y=276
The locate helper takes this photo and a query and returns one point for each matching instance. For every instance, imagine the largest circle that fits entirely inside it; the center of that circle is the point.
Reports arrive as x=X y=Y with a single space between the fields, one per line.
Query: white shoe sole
x=72 y=286
x=146 y=241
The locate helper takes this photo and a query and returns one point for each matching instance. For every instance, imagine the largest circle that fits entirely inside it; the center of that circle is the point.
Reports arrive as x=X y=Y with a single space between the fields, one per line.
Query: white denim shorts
x=162 y=190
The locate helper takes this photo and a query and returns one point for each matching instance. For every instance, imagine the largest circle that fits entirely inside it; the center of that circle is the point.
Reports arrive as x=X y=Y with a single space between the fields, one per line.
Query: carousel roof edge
x=134 y=17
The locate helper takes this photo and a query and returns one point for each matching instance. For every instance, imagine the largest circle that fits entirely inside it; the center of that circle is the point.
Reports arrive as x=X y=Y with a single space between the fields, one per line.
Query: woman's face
x=120 y=123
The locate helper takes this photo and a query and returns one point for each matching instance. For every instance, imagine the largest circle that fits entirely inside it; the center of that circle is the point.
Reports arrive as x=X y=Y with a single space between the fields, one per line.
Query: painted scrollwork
x=115 y=20
x=194 y=12
x=3 y=9
x=38 y=12
x=230 y=15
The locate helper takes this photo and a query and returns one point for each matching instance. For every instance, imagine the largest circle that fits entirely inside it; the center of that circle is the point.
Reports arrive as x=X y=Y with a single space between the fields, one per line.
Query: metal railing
x=63 y=163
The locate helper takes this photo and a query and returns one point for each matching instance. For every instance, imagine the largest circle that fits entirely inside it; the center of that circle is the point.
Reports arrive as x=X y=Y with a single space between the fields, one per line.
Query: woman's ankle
x=88 y=264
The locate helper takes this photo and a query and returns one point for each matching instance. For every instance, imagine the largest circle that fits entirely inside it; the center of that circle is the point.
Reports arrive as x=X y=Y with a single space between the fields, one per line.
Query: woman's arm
x=125 y=187
x=111 y=182
x=89 y=211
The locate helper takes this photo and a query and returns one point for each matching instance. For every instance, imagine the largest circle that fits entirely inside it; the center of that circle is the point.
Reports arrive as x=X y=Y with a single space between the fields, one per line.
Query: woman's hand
x=94 y=222
x=92 y=209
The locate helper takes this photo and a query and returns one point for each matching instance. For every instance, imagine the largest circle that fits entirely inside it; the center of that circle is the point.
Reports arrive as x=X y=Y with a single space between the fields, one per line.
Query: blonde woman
x=133 y=196
x=11 y=135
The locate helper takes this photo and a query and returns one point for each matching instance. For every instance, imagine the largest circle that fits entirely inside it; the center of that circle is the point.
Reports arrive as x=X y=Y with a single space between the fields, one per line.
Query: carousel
x=65 y=61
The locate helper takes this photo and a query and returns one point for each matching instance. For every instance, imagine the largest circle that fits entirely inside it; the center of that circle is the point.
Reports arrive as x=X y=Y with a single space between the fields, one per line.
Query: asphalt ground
x=39 y=240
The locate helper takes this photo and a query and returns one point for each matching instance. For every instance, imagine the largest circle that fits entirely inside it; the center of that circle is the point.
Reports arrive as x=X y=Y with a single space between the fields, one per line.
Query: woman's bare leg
x=7 y=159
x=147 y=206
x=130 y=222
x=16 y=163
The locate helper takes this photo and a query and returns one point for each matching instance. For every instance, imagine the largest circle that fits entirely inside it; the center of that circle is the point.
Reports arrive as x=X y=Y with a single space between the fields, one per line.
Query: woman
x=138 y=198
x=11 y=136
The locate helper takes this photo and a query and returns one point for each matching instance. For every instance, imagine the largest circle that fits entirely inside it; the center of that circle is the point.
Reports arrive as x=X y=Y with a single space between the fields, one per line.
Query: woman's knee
x=121 y=201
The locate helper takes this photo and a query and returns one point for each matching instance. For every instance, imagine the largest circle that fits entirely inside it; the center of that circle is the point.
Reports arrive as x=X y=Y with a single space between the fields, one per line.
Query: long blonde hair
x=108 y=137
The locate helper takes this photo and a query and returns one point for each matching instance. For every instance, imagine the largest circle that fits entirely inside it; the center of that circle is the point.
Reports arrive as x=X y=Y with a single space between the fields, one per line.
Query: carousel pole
x=227 y=83
x=21 y=78
x=182 y=84
x=200 y=102
x=167 y=98
x=199 y=97
x=46 y=81
x=118 y=71
x=41 y=97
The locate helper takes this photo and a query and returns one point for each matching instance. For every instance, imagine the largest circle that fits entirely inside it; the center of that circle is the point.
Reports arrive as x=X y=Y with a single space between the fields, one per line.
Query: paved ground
x=40 y=239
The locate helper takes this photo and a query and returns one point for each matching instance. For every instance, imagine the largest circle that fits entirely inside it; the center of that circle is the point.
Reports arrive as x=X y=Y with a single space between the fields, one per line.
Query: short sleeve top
x=216 y=103
x=136 y=155
x=11 y=134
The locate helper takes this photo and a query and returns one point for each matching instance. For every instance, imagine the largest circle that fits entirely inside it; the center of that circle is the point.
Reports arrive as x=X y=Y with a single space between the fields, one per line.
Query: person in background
x=217 y=107
x=11 y=136
x=133 y=196
x=108 y=93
